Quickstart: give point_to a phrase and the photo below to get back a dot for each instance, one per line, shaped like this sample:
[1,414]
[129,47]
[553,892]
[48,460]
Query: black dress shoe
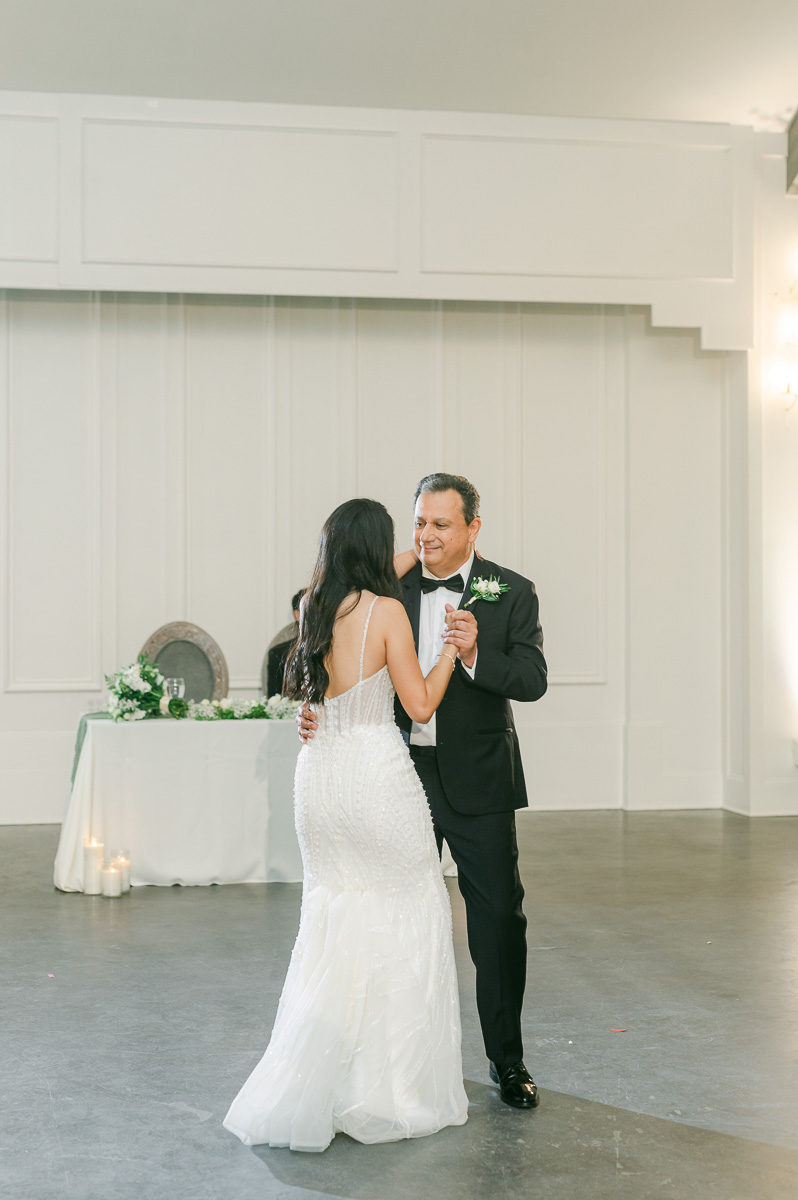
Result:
[516,1085]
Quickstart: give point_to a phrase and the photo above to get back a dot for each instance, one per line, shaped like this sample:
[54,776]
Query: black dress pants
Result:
[486,853]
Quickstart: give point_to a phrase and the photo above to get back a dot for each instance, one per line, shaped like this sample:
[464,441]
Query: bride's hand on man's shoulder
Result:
[404,562]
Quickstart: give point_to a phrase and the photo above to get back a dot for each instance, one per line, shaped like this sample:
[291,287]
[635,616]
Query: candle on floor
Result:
[93,859]
[111,879]
[121,860]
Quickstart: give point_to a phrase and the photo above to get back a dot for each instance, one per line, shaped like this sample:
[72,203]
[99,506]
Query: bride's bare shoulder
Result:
[390,610]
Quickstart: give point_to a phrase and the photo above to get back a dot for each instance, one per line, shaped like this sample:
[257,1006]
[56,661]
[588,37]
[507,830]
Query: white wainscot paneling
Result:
[564,485]
[144,408]
[314,463]
[285,200]
[524,206]
[34,776]
[205,195]
[230,428]
[400,404]
[675,581]
[573,765]
[53,517]
[230,510]
[482,417]
[28,192]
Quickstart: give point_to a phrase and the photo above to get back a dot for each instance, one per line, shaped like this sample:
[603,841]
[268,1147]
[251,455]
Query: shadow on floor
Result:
[572,1147]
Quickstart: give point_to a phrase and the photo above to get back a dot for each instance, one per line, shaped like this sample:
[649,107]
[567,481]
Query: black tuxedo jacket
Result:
[478,754]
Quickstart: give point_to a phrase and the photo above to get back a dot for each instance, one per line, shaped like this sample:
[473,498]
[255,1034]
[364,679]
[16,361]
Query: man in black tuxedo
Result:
[278,650]
[468,757]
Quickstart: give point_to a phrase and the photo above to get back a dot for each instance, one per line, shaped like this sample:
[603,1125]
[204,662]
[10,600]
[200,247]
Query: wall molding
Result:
[598,676]
[93,680]
[672,177]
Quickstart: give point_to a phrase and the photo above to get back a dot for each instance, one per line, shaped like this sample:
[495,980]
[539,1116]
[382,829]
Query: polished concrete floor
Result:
[127,1027]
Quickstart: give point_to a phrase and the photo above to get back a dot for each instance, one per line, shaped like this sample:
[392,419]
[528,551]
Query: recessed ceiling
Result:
[693,60]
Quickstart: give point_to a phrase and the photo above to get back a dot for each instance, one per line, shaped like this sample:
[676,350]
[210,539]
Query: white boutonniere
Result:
[487,589]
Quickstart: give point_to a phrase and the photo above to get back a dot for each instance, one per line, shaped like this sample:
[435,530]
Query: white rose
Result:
[225,703]
[495,588]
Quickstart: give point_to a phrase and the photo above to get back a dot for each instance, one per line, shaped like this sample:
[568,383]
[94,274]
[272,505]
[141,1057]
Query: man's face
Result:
[441,537]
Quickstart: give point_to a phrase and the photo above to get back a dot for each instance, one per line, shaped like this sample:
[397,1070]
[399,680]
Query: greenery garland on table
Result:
[276,708]
[136,692]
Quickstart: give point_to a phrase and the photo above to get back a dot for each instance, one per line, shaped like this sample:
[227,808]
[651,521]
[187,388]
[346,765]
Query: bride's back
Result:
[343,661]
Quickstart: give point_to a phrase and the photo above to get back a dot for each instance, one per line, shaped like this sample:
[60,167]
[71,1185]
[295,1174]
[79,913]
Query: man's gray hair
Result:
[441,482]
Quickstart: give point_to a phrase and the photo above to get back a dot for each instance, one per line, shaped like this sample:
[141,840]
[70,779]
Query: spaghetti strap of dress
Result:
[365,631]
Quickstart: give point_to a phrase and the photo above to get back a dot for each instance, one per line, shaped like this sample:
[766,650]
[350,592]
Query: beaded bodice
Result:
[368,702]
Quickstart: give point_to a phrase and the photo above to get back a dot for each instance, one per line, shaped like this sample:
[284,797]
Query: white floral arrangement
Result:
[276,708]
[136,692]
[487,589]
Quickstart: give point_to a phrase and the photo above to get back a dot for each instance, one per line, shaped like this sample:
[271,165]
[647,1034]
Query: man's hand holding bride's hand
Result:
[306,723]
[461,632]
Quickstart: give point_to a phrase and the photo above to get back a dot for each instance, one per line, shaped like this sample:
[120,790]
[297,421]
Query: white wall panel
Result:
[53,498]
[212,197]
[230,428]
[145,494]
[229,458]
[675,397]
[315,457]
[482,416]
[223,196]
[399,404]
[565,483]
[29,191]
[527,206]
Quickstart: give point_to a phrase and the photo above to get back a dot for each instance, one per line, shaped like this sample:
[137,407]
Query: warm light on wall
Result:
[785,373]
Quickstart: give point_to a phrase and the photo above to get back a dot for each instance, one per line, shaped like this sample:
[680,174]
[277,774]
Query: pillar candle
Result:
[121,860]
[111,879]
[93,859]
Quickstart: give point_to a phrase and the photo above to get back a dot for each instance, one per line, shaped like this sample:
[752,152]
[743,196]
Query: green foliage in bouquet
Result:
[136,692]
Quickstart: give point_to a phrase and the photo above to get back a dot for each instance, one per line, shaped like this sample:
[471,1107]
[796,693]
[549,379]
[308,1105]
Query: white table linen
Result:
[195,802]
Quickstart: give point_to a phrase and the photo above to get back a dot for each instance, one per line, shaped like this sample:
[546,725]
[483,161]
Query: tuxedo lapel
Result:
[411,589]
[477,569]
[481,568]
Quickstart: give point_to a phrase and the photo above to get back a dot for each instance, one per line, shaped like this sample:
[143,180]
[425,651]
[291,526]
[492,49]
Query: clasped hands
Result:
[460,632]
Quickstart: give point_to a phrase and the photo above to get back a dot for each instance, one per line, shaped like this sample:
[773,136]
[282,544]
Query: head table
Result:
[195,802]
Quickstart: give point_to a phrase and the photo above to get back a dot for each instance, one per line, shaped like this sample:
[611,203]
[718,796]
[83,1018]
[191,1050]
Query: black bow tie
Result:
[453,584]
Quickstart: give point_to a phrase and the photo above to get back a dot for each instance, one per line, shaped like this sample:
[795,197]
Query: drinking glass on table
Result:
[174,688]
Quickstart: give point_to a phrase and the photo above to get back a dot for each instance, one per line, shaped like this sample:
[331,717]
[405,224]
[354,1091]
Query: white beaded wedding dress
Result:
[367,1035]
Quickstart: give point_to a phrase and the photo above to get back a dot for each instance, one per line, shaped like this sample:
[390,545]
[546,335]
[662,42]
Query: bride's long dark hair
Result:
[355,554]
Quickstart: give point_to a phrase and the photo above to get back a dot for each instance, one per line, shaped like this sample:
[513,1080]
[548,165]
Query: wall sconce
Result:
[789,396]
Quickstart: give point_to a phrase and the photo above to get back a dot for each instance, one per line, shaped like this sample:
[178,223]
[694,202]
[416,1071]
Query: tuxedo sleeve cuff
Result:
[470,671]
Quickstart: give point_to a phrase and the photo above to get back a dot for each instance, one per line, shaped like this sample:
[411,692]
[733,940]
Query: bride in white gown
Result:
[367,1035]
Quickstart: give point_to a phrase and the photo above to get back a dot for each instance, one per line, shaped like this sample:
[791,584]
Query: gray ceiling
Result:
[705,60]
